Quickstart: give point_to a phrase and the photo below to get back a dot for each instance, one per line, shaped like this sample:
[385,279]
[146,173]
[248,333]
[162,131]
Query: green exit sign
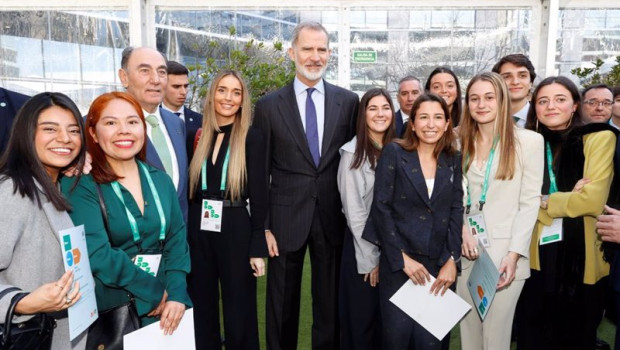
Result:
[365,56]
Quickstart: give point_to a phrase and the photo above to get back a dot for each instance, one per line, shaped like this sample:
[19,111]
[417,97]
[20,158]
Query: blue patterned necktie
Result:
[312,131]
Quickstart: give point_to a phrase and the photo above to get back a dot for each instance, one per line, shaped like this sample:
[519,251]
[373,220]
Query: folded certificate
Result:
[482,282]
[437,314]
[152,337]
[83,313]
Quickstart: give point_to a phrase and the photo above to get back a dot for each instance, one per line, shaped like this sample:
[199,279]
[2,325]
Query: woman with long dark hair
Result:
[562,302]
[47,138]
[443,82]
[228,243]
[416,217]
[359,272]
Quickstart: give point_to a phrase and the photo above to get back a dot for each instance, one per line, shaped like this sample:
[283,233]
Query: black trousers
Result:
[284,292]
[220,259]
[558,321]
[360,321]
[400,331]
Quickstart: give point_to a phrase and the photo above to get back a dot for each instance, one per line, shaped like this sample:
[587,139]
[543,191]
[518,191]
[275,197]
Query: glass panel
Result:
[417,41]
[585,35]
[200,35]
[61,50]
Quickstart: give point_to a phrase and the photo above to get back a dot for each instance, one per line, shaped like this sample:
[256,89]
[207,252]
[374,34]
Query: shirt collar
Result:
[156,113]
[180,110]
[522,113]
[301,87]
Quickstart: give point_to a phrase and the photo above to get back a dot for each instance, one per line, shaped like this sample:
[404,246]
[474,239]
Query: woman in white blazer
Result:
[46,139]
[510,162]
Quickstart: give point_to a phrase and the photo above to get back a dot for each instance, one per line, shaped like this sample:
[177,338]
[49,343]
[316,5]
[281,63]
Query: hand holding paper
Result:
[415,271]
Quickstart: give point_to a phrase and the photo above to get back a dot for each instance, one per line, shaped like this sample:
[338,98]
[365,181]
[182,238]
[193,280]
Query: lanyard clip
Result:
[161,245]
[480,205]
[467,208]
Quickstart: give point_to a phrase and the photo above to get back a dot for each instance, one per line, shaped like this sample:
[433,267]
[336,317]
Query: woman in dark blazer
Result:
[417,217]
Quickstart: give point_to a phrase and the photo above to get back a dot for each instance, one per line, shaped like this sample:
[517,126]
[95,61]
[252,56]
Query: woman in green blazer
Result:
[143,220]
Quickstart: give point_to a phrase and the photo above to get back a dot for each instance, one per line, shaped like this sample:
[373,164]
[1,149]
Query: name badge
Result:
[553,233]
[149,263]
[478,228]
[211,215]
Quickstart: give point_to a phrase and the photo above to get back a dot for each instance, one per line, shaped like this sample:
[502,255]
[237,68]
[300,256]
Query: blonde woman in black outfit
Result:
[227,246]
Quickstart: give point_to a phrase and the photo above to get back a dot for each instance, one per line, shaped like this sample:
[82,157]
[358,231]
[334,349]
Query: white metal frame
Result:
[142,17]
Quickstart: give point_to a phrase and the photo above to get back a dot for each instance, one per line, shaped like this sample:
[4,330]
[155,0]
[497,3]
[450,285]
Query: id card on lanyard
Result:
[475,222]
[553,233]
[147,262]
[212,209]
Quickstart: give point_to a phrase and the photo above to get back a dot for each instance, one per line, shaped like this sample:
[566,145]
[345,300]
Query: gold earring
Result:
[536,124]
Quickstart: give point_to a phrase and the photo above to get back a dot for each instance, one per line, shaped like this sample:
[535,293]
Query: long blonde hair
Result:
[504,128]
[237,171]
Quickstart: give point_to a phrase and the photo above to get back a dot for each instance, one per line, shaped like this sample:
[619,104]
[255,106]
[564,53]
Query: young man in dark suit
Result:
[304,125]
[174,101]
[144,74]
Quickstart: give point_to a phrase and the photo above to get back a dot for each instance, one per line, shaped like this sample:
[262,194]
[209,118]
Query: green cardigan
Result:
[111,252]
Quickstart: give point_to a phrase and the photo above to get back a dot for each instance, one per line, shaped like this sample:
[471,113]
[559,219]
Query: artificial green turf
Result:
[606,330]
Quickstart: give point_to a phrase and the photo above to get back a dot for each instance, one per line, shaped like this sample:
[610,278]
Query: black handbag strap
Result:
[9,316]
[7,291]
[104,213]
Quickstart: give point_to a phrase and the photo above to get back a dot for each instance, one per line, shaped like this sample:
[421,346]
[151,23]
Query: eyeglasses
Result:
[596,103]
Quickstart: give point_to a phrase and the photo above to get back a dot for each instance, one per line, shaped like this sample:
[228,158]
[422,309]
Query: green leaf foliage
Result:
[265,68]
[592,76]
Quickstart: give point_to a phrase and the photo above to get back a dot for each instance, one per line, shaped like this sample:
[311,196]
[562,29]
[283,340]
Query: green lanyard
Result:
[553,187]
[487,175]
[132,221]
[224,172]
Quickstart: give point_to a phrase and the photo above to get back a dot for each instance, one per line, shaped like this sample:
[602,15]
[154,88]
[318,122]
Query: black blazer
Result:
[10,103]
[398,123]
[193,122]
[404,219]
[297,186]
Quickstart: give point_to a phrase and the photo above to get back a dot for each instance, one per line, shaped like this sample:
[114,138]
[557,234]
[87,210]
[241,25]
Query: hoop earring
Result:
[570,120]
[536,124]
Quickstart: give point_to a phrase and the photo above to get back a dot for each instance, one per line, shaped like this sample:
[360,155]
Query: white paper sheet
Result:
[84,312]
[437,314]
[152,337]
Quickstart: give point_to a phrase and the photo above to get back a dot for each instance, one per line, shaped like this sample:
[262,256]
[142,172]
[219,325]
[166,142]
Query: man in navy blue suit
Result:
[409,88]
[10,103]
[144,73]
[174,101]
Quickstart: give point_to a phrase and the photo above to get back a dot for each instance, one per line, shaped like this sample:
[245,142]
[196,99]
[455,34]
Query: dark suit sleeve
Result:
[257,190]
[176,249]
[455,237]
[382,207]
[262,123]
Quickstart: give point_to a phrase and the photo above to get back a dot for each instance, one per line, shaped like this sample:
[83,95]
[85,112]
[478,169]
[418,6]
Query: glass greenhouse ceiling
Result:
[75,47]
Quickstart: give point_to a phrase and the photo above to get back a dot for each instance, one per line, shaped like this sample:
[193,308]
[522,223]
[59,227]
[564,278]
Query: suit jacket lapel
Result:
[175,134]
[290,113]
[412,167]
[443,175]
[332,113]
